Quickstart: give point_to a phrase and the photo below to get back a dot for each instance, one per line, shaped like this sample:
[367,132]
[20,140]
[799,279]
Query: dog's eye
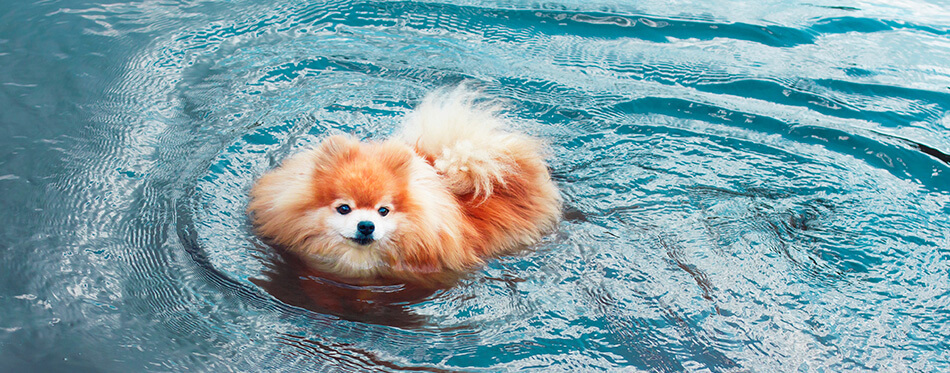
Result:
[343,209]
[383,211]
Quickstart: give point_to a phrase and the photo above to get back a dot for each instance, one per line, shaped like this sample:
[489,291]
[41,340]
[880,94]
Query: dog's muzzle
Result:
[364,232]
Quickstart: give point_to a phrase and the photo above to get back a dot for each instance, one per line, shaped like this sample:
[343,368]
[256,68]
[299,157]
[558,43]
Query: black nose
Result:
[365,227]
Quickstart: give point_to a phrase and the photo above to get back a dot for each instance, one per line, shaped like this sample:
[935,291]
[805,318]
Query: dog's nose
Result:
[365,227]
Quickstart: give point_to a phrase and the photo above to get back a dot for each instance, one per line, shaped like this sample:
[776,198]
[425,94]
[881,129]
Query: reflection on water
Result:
[759,187]
[290,281]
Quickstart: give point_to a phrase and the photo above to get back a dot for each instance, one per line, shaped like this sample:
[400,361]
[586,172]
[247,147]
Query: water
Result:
[748,186]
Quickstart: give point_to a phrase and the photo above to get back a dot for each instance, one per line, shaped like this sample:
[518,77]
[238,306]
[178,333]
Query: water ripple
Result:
[743,190]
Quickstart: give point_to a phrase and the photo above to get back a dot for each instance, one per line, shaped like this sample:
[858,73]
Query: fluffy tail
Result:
[462,135]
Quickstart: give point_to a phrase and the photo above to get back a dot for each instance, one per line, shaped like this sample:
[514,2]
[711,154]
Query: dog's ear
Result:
[396,155]
[335,148]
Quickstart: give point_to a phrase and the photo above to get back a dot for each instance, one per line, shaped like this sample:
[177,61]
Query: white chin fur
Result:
[360,262]
[349,258]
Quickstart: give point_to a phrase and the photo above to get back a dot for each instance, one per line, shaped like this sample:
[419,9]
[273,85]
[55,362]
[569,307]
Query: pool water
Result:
[748,186]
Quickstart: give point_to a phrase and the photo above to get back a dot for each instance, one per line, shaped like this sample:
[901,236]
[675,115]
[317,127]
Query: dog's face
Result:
[362,225]
[355,238]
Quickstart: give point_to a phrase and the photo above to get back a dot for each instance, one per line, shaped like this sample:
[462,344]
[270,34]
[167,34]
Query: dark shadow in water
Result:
[291,281]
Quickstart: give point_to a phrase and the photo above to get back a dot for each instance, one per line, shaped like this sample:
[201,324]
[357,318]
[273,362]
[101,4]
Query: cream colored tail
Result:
[463,135]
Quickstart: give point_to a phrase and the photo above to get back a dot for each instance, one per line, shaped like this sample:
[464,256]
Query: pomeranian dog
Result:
[453,189]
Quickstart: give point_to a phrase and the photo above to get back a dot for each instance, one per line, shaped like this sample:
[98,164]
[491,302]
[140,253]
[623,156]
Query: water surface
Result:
[747,186]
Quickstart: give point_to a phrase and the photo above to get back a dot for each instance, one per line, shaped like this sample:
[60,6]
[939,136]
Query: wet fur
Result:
[459,187]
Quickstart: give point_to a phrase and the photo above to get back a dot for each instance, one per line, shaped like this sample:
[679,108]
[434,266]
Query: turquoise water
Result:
[761,187]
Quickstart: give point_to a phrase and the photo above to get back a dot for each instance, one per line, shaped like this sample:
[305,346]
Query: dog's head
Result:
[359,201]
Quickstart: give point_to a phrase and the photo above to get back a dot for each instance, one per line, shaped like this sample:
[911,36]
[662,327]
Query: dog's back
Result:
[500,178]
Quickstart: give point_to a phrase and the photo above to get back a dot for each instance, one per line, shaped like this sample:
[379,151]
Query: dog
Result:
[453,189]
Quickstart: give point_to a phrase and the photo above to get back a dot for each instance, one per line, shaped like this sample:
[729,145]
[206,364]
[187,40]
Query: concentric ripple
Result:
[764,189]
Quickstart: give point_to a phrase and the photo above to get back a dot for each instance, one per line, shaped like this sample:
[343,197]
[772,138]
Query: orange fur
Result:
[457,190]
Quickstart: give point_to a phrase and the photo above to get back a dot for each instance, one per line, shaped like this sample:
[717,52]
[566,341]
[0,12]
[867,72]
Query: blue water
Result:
[748,186]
